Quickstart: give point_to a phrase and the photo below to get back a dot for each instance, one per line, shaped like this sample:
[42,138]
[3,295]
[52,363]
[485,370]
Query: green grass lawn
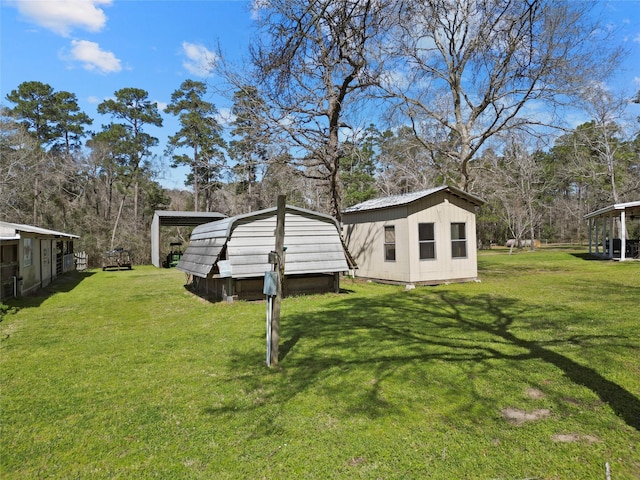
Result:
[532,373]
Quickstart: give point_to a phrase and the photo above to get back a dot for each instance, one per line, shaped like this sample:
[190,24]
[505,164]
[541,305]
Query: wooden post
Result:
[623,235]
[275,318]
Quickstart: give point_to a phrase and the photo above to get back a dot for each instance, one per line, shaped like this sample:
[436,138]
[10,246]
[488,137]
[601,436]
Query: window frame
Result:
[431,241]
[456,241]
[389,246]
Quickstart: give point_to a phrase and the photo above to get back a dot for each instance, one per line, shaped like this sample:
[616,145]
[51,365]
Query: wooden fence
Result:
[82,260]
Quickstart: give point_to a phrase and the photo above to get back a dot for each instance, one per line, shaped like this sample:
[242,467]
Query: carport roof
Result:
[630,207]
[170,218]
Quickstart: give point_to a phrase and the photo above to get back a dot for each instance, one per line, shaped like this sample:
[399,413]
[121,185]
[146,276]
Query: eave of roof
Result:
[18,227]
[407,198]
[171,218]
[613,208]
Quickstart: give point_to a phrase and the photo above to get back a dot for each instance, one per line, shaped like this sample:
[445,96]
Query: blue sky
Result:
[94,47]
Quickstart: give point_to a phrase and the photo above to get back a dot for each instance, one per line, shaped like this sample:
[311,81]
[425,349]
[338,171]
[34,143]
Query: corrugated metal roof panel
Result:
[312,239]
[612,208]
[391,201]
[200,256]
[169,218]
[396,200]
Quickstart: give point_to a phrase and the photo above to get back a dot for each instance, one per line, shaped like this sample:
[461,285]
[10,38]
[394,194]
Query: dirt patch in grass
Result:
[518,417]
[355,461]
[534,393]
[574,437]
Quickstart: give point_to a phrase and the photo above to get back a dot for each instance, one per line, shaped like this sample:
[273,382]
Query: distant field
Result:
[532,373]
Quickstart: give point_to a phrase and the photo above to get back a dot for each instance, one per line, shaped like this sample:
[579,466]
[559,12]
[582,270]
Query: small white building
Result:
[426,237]
[32,257]
[229,257]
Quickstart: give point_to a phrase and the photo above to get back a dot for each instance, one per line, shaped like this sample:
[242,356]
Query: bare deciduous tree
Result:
[19,159]
[604,135]
[313,65]
[513,183]
[467,70]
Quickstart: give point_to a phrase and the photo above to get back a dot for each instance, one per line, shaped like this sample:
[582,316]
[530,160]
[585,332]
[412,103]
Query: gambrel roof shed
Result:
[239,246]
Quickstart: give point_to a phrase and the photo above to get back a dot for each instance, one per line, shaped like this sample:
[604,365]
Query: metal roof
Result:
[11,231]
[407,198]
[313,247]
[633,206]
[170,218]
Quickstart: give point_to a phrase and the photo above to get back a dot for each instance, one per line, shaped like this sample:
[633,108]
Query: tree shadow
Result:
[286,347]
[623,403]
[383,335]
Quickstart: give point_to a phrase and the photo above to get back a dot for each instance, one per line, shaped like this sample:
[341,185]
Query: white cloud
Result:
[93,58]
[161,105]
[257,6]
[224,116]
[636,80]
[93,99]
[61,16]
[637,38]
[200,61]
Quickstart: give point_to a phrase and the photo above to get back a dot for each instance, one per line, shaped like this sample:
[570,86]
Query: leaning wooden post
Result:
[275,319]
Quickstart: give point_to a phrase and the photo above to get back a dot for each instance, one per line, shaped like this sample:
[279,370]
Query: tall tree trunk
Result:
[532,235]
[115,224]
[35,202]
[196,186]
[136,193]
[109,198]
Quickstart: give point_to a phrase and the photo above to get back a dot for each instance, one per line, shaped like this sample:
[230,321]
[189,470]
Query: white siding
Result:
[364,236]
[205,246]
[443,267]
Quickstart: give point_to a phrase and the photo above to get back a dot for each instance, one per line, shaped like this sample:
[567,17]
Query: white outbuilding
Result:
[32,257]
[425,237]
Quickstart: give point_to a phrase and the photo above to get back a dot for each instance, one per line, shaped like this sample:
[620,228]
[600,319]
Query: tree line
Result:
[342,101]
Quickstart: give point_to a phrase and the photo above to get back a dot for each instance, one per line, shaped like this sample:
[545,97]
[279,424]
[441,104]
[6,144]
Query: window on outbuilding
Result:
[458,240]
[390,243]
[427,241]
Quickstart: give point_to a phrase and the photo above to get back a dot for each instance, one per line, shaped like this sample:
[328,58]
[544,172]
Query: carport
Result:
[614,231]
[166,218]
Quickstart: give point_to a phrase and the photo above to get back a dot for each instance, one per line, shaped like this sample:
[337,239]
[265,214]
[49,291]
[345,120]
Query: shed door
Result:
[45,261]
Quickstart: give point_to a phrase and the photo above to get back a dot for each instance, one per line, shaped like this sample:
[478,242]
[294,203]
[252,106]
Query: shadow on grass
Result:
[589,256]
[382,335]
[64,283]
[626,405]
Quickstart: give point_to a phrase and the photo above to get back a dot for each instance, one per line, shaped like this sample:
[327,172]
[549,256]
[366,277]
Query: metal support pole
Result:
[269,311]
